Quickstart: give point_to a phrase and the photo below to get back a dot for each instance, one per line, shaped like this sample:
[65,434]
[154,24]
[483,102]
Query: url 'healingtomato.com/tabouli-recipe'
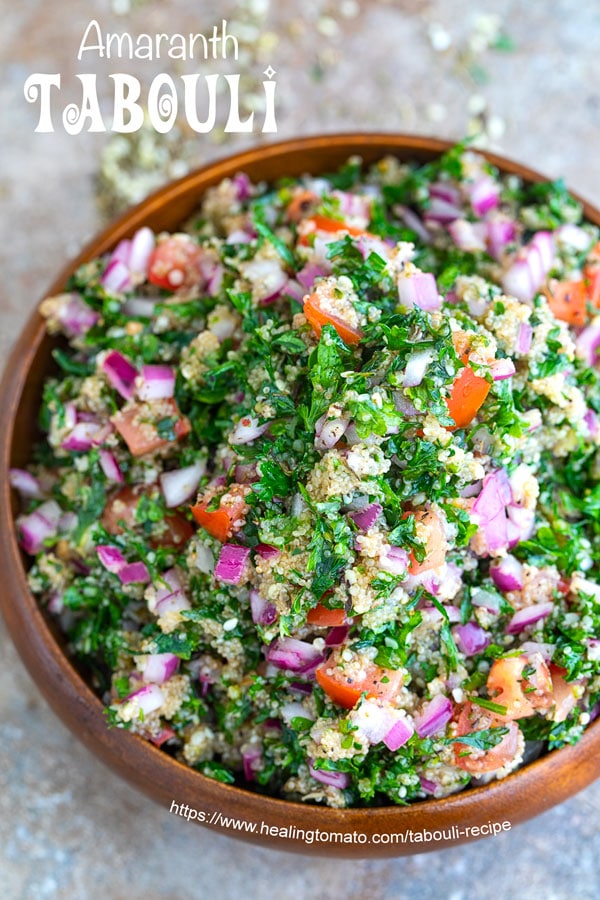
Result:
[318,504]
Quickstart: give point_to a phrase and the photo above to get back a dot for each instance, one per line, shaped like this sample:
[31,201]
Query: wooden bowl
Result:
[384,831]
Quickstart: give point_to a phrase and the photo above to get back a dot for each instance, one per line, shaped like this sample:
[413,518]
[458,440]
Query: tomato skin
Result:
[346,691]
[121,507]
[175,263]
[328,226]
[472,719]
[467,395]
[318,318]
[436,546]
[221,522]
[563,694]
[326,618]
[568,301]
[520,695]
[141,436]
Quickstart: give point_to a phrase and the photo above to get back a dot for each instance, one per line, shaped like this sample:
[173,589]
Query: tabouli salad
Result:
[318,505]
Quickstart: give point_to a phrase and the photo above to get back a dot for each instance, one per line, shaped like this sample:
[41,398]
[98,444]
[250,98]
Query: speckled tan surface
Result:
[68,827]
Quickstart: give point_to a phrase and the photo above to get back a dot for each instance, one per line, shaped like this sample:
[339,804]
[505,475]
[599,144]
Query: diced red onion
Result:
[38,526]
[329,431]
[294,290]
[502,368]
[523,521]
[524,338]
[251,759]
[164,735]
[25,483]
[215,281]
[339,780]
[267,551]
[428,786]
[441,211]
[470,638]
[142,245]
[471,490]
[354,205]
[403,405]
[242,185]
[530,267]
[485,195]
[75,316]
[412,221]
[588,344]
[156,383]
[545,650]
[468,236]
[246,473]
[263,612]
[116,277]
[231,563]
[395,561]
[592,423]
[82,437]
[418,289]
[110,466]
[247,430]
[158,667]
[178,485]
[139,307]
[500,233]
[528,616]
[293,655]
[366,517]
[416,366]
[507,573]
[398,734]
[445,191]
[434,716]
[134,573]
[67,522]
[485,600]
[238,237]
[267,278]
[300,687]
[337,635]
[148,699]
[172,603]
[121,373]
[307,275]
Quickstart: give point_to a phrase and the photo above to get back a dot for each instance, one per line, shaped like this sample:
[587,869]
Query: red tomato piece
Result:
[137,425]
[300,205]
[176,263]
[345,687]
[473,719]
[522,684]
[568,301]
[467,395]
[328,226]
[436,546]
[326,618]
[563,694]
[318,318]
[228,517]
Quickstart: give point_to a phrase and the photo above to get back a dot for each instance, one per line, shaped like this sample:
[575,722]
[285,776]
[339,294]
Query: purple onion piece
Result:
[434,716]
[231,562]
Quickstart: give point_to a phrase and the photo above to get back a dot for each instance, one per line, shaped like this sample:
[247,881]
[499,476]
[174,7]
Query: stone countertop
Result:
[524,77]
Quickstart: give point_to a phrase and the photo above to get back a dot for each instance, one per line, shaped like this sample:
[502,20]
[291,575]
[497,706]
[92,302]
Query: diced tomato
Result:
[436,546]
[591,274]
[473,719]
[137,425]
[336,678]
[522,684]
[563,694]
[300,205]
[328,226]
[176,263]
[228,517]
[467,395]
[121,506]
[318,318]
[568,301]
[326,618]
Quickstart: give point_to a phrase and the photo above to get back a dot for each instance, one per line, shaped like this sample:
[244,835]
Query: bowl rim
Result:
[526,792]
